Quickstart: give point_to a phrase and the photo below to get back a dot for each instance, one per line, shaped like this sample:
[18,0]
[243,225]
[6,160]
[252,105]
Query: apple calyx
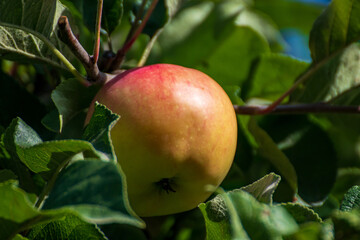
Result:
[165,184]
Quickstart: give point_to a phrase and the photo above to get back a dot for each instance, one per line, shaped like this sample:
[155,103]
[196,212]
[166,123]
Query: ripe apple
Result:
[177,133]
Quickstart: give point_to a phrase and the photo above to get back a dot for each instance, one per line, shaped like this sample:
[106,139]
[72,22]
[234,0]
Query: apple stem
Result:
[119,58]
[165,184]
[297,109]
[67,36]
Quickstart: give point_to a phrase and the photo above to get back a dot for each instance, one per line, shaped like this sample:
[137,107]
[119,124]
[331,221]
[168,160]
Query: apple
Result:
[177,134]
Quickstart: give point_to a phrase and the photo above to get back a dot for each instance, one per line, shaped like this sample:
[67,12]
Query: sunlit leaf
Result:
[264,188]
[273,75]
[337,27]
[27,30]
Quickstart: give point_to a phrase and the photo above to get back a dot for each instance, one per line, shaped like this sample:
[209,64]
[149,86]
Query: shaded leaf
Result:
[346,178]
[94,189]
[310,151]
[87,10]
[27,30]
[70,98]
[301,213]
[269,150]
[15,101]
[314,230]
[97,131]
[6,175]
[351,199]
[264,188]
[337,27]
[71,227]
[42,157]
[246,142]
[158,18]
[24,216]
[346,225]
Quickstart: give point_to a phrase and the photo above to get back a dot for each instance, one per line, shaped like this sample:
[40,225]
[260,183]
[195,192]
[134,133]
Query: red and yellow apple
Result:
[177,134]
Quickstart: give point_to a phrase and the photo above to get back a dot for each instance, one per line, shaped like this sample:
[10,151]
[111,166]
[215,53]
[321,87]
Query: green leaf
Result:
[96,190]
[260,221]
[313,230]
[15,101]
[263,25]
[112,14]
[6,175]
[229,49]
[87,11]
[301,213]
[71,98]
[273,75]
[42,157]
[97,131]
[310,151]
[19,237]
[246,142]
[217,221]
[71,227]
[336,77]
[22,217]
[337,27]
[351,199]
[27,30]
[290,14]
[229,62]
[158,18]
[264,188]
[269,150]
[346,178]
[346,224]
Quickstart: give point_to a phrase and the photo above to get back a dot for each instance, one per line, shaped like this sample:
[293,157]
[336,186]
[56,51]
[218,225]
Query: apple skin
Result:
[177,133]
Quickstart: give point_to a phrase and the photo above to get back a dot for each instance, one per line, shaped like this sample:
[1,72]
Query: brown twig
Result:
[67,36]
[297,109]
[119,58]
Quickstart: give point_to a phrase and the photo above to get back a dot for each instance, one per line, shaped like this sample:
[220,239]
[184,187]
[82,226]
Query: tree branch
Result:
[67,36]
[297,109]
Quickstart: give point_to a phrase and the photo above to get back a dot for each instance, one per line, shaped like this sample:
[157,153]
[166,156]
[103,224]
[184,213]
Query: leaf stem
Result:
[297,109]
[95,56]
[119,58]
